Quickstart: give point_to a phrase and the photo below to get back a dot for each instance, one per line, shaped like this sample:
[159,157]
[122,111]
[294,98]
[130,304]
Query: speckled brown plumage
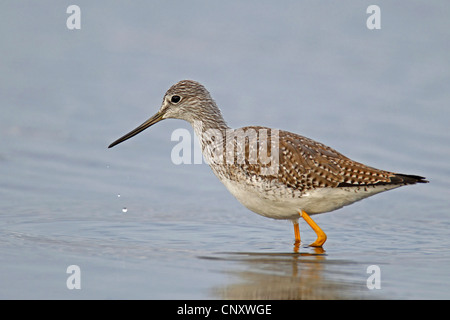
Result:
[305,164]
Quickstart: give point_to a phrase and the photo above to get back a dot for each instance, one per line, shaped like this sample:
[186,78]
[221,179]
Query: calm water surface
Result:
[380,97]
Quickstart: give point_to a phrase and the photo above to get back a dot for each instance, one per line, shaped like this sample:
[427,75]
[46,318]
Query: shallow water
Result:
[380,97]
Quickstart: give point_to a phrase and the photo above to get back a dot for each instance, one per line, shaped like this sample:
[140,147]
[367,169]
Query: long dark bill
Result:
[156,118]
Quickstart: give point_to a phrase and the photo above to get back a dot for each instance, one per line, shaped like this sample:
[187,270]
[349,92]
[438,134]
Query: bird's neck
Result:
[201,126]
[211,121]
[205,129]
[211,133]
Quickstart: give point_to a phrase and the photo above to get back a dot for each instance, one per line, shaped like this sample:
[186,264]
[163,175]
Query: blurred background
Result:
[139,226]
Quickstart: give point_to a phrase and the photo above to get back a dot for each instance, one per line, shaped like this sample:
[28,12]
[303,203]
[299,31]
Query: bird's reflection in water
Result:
[298,275]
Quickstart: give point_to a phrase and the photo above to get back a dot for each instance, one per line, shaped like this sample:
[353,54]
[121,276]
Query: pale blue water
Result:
[380,97]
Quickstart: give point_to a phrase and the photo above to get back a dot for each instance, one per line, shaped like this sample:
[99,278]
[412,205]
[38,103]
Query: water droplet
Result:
[124,209]
[118,196]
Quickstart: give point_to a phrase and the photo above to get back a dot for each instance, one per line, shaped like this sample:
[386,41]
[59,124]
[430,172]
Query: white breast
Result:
[278,202]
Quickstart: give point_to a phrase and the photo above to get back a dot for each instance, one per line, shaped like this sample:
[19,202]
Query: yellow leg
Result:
[321,236]
[297,236]
[296,232]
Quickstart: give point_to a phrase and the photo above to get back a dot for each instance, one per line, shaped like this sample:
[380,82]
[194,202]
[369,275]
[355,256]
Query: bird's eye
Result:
[175,99]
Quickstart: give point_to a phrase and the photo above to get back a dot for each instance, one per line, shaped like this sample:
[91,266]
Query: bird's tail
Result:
[410,179]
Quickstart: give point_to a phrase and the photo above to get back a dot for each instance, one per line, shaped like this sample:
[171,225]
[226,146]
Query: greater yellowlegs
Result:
[275,173]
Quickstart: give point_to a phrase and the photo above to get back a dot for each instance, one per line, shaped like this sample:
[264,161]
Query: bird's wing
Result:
[305,162]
